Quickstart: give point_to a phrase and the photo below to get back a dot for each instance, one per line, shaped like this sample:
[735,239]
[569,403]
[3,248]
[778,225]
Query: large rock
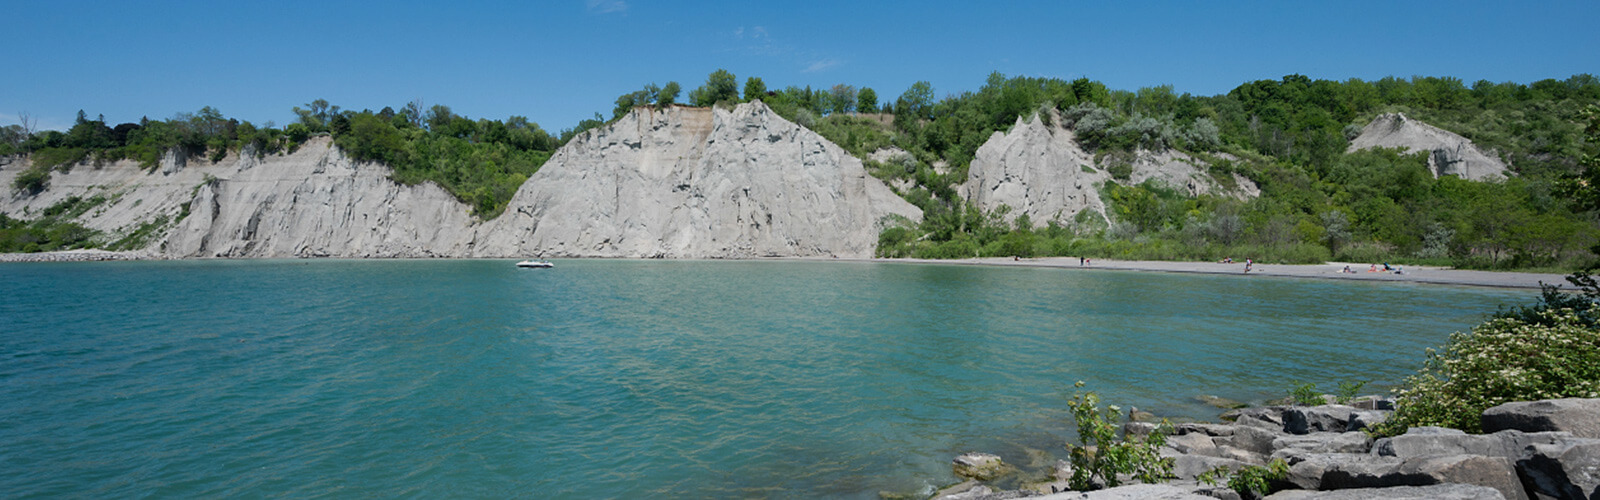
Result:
[1253,439]
[1325,442]
[1568,470]
[1324,418]
[1434,492]
[1131,492]
[1448,153]
[1581,417]
[1343,471]
[1329,471]
[979,466]
[697,183]
[1434,441]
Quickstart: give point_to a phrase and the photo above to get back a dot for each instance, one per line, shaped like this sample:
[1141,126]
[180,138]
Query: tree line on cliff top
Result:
[1288,136]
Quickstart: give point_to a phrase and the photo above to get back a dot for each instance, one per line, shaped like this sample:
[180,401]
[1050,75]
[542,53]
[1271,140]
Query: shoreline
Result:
[1331,270]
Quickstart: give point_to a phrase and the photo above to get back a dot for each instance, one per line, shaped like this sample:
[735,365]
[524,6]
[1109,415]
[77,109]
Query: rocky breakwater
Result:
[686,182]
[1535,450]
[1448,153]
[1040,170]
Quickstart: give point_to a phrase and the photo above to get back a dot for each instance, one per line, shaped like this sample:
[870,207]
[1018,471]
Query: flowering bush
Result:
[1500,361]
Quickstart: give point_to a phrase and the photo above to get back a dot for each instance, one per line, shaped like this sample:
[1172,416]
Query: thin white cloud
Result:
[822,65]
[607,6]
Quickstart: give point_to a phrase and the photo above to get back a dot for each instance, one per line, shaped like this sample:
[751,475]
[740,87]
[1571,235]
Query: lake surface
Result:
[636,378]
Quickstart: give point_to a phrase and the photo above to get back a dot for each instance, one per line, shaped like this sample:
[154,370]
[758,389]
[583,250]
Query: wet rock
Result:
[979,466]
[1219,402]
[1581,417]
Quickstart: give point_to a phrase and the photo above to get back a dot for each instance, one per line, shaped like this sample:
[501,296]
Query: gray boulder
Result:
[1212,430]
[1493,472]
[1253,439]
[1332,471]
[1193,443]
[1267,417]
[980,466]
[1581,417]
[1568,470]
[1324,418]
[1362,419]
[1131,492]
[1434,441]
[1345,471]
[1325,442]
[1188,467]
[1433,492]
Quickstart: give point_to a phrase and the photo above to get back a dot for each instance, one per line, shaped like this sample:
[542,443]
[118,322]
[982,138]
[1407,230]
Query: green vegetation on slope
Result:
[1289,136]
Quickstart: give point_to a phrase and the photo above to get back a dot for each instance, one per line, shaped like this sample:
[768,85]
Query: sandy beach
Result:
[1331,270]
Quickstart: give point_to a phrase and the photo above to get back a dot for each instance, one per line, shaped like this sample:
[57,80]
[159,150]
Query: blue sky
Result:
[559,62]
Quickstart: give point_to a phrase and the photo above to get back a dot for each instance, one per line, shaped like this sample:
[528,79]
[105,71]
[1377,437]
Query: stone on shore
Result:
[1434,492]
[979,466]
[1324,418]
[1566,470]
[1581,417]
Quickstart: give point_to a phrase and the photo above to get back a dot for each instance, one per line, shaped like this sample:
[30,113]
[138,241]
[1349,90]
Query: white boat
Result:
[538,264]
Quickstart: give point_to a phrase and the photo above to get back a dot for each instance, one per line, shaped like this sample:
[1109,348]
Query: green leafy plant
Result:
[1102,457]
[1249,481]
[1348,390]
[1500,361]
[1305,394]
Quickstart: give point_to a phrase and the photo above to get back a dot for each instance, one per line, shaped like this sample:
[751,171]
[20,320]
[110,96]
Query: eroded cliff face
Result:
[1036,169]
[315,202]
[1448,153]
[678,183]
[696,183]
[1041,170]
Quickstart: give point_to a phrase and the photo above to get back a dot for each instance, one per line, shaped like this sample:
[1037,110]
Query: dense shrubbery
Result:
[481,162]
[1555,353]
[52,230]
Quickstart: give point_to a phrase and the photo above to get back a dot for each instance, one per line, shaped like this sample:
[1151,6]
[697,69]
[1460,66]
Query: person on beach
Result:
[1347,270]
[1080,261]
[1249,263]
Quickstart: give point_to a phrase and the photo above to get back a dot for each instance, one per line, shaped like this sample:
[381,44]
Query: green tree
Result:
[754,89]
[842,99]
[668,94]
[867,100]
[720,86]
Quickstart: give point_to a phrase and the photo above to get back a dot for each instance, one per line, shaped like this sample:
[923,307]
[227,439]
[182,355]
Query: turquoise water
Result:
[625,378]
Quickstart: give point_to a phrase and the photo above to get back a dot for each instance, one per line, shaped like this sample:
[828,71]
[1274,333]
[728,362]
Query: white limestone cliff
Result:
[1448,153]
[1041,170]
[697,183]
